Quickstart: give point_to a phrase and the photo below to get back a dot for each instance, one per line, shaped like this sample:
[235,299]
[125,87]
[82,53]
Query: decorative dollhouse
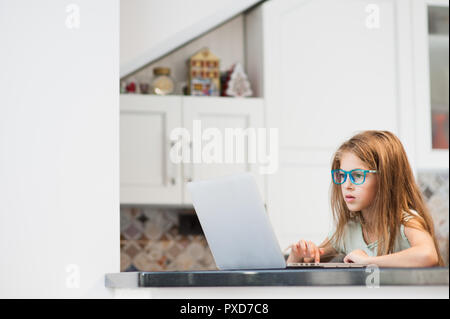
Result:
[204,74]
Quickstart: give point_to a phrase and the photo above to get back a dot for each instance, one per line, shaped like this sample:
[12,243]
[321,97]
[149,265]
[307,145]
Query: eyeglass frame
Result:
[349,173]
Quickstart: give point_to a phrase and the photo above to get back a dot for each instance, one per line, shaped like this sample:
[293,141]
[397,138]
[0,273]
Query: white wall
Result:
[172,23]
[59,185]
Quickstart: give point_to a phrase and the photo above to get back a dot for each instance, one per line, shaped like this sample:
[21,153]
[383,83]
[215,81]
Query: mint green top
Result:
[353,239]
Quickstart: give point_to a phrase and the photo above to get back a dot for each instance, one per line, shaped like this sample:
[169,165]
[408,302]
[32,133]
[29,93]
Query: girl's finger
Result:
[297,248]
[321,250]
[303,247]
[311,249]
[317,255]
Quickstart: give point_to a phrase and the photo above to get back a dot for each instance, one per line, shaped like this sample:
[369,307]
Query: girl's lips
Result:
[349,198]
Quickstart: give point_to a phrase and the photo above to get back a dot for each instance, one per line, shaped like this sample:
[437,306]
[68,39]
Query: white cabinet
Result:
[148,174]
[327,72]
[222,114]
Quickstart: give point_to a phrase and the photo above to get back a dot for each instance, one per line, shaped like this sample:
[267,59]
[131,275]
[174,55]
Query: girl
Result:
[379,214]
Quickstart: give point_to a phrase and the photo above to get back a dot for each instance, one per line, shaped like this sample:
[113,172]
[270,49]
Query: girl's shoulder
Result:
[412,219]
[411,213]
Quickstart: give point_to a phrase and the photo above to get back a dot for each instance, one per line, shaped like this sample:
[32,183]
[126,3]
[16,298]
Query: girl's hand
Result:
[357,256]
[305,251]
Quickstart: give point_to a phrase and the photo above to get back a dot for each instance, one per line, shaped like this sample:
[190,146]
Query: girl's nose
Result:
[348,183]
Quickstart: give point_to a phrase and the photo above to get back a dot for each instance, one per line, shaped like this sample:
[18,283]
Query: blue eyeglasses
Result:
[357,176]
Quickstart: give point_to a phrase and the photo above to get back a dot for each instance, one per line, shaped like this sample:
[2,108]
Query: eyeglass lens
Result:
[357,176]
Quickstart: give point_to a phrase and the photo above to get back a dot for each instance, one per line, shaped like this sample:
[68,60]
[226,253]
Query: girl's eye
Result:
[358,176]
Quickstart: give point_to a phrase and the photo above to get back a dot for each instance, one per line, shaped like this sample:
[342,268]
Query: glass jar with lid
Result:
[162,84]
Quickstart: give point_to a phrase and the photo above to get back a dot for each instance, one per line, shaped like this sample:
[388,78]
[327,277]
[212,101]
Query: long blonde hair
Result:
[397,190]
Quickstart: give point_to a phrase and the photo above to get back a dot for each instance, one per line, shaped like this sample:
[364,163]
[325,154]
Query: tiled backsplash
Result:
[150,238]
[434,187]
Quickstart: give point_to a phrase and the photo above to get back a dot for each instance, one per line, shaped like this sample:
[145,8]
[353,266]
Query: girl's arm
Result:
[421,254]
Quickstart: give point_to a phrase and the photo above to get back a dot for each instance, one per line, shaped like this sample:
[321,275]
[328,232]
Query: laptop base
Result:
[325,265]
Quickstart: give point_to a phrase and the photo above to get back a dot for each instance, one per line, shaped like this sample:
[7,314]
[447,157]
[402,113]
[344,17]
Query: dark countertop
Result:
[281,277]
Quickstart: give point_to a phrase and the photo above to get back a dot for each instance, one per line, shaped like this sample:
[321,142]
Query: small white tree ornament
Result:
[238,84]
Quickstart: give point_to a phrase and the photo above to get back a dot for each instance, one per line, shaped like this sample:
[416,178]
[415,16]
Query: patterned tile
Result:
[427,192]
[143,241]
[173,233]
[134,212]
[131,268]
[142,218]
[144,262]
[125,219]
[131,249]
[174,250]
[196,250]
[150,241]
[132,232]
[153,231]
[125,261]
[434,186]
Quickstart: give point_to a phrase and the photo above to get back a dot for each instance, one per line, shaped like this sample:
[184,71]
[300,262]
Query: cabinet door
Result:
[147,176]
[329,70]
[219,114]
[431,67]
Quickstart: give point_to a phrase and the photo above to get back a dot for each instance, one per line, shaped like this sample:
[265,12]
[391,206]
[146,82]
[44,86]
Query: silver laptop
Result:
[237,227]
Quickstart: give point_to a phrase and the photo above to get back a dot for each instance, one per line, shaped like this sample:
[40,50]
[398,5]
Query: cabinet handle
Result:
[171,171]
[188,171]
